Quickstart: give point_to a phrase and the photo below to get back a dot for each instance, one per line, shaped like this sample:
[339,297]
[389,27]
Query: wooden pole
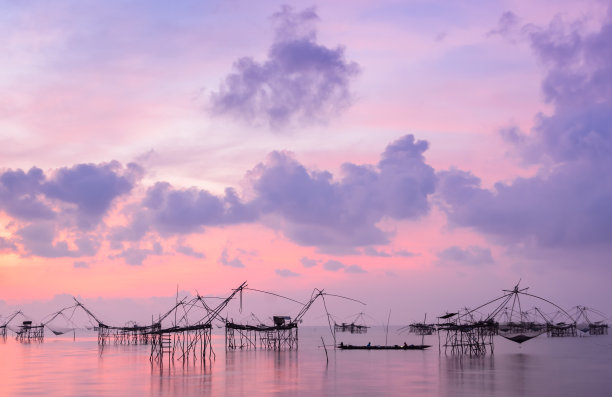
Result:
[325,347]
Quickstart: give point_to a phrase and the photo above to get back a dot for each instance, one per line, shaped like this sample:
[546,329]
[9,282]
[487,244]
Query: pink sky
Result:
[416,155]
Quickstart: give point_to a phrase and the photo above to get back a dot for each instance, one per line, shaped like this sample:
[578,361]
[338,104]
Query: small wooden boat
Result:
[373,347]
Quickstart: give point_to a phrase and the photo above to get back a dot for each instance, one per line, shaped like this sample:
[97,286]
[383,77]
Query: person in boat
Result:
[405,346]
[369,344]
[341,345]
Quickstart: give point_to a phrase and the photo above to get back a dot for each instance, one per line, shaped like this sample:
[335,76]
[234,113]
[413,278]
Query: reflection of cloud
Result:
[300,81]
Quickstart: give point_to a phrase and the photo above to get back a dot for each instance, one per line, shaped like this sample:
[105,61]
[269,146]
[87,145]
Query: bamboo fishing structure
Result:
[282,334]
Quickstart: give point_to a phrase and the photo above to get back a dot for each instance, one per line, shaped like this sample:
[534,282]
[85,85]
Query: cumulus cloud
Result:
[300,81]
[135,255]
[20,195]
[405,253]
[470,256]
[307,262]
[189,251]
[317,210]
[333,265]
[225,260]
[566,205]
[286,273]
[40,239]
[7,245]
[356,269]
[507,25]
[371,251]
[80,265]
[91,188]
[184,211]
[88,188]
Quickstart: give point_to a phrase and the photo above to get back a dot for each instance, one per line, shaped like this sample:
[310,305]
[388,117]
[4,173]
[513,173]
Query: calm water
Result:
[541,367]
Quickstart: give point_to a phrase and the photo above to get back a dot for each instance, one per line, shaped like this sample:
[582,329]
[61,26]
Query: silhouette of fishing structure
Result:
[555,328]
[183,339]
[463,333]
[281,335]
[357,326]
[5,325]
[27,331]
[586,323]
[130,334]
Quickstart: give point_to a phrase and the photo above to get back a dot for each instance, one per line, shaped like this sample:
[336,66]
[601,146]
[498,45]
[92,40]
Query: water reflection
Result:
[182,378]
[501,375]
[465,375]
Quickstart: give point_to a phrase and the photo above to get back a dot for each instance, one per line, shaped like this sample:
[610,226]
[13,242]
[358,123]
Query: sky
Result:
[419,156]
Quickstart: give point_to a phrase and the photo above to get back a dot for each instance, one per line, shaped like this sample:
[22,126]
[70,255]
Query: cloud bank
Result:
[566,205]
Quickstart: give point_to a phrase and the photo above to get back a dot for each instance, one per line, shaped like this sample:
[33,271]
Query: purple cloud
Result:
[507,24]
[566,205]
[80,265]
[40,239]
[225,260]
[355,269]
[7,245]
[470,256]
[307,262]
[183,211]
[404,253]
[189,251]
[20,195]
[286,273]
[135,256]
[371,251]
[92,188]
[320,211]
[301,81]
[333,265]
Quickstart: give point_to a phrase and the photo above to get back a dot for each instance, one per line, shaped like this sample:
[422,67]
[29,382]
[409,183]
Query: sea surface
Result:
[76,366]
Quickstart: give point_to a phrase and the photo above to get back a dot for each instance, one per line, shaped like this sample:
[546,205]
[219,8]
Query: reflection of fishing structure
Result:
[357,326]
[281,335]
[587,324]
